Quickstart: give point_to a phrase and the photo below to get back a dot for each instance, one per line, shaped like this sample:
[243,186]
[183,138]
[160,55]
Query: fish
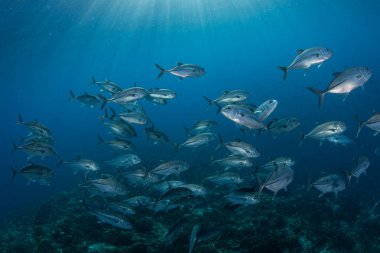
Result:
[112,218]
[34,173]
[31,138]
[107,85]
[279,161]
[361,166]
[41,149]
[140,201]
[277,180]
[35,127]
[193,237]
[176,228]
[234,161]
[263,111]
[85,99]
[331,183]
[156,101]
[343,83]
[109,186]
[244,199]
[201,126]
[133,107]
[284,125]
[125,96]
[340,139]
[134,118]
[242,116]
[123,161]
[121,207]
[184,190]
[376,151]
[198,140]
[166,185]
[182,70]
[118,144]
[225,179]
[325,130]
[373,123]
[156,135]
[80,164]
[121,128]
[241,149]
[306,58]
[174,167]
[229,97]
[162,93]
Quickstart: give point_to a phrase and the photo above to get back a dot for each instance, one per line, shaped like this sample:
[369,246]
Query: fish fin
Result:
[320,195]
[14,148]
[285,70]
[360,126]
[113,113]
[100,139]
[376,133]
[320,95]
[186,130]
[162,70]
[302,136]
[336,73]
[179,63]
[14,173]
[19,119]
[104,101]
[345,96]
[274,195]
[319,65]
[72,96]
[60,162]
[299,51]
[209,101]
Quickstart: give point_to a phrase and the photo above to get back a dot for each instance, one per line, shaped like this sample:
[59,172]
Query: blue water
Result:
[50,47]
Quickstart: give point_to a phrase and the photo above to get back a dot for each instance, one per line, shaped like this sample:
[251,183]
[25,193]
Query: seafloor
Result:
[293,222]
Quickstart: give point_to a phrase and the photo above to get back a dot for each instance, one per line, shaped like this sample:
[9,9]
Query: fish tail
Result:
[161,69]
[14,148]
[348,177]
[186,130]
[113,113]
[220,140]
[104,101]
[302,136]
[72,95]
[209,101]
[19,119]
[60,162]
[285,70]
[360,126]
[100,140]
[93,80]
[219,108]
[319,93]
[14,173]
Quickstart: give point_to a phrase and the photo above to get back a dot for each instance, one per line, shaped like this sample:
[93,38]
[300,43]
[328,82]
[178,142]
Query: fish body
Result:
[306,58]
[124,161]
[118,144]
[80,164]
[109,186]
[121,128]
[198,140]
[35,127]
[171,168]
[278,179]
[340,139]
[242,116]
[107,85]
[126,96]
[331,183]
[182,70]
[242,149]
[325,130]
[121,207]
[263,111]
[279,126]
[201,126]
[110,217]
[234,161]
[135,118]
[156,135]
[226,179]
[279,161]
[244,199]
[230,97]
[35,173]
[37,148]
[86,99]
[372,123]
[162,93]
[344,82]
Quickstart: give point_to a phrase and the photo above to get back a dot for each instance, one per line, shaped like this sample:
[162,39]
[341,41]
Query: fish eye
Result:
[318,55]
[358,76]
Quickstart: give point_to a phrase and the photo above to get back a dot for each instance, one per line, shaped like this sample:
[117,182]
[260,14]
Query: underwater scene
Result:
[190,126]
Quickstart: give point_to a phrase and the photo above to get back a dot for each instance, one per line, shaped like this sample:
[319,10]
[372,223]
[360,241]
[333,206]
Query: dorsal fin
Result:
[226,92]
[336,73]
[179,63]
[299,51]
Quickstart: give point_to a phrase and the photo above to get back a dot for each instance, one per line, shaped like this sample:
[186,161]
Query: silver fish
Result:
[279,126]
[156,135]
[344,82]
[193,237]
[110,217]
[265,109]
[340,139]
[198,140]
[124,161]
[361,166]
[171,168]
[325,130]
[121,207]
[166,185]
[80,164]
[108,186]
[227,179]
[201,126]
[121,128]
[143,201]
[182,70]
[126,96]
[229,97]
[35,127]
[35,173]
[331,183]
[119,144]
[244,199]
[242,149]
[37,148]
[279,161]
[234,161]
[242,116]
[107,85]
[279,179]
[85,99]
[307,58]
[372,123]
[134,118]
[162,93]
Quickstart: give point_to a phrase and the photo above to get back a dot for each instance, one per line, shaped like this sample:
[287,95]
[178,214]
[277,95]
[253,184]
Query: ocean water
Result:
[48,48]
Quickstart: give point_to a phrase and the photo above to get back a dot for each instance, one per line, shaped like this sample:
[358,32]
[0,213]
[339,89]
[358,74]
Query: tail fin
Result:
[93,80]
[209,101]
[348,177]
[285,70]
[162,70]
[186,130]
[104,101]
[101,141]
[320,95]
[302,138]
[19,119]
[14,173]
[361,124]
[60,162]
[72,96]
[14,148]
[220,140]
[113,114]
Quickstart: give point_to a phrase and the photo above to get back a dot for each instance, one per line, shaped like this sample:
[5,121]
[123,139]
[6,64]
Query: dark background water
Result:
[50,47]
